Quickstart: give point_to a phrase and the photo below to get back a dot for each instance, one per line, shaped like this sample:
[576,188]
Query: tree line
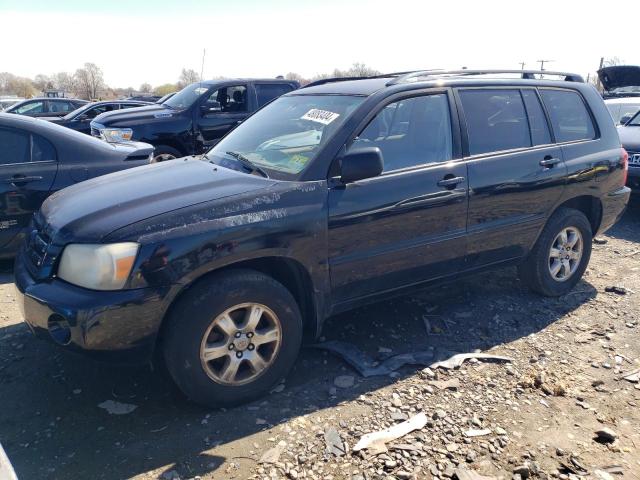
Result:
[88,82]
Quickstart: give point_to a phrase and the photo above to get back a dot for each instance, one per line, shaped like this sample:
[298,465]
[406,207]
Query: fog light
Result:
[59,329]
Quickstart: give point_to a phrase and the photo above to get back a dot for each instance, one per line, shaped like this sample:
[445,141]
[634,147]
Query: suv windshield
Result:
[287,134]
[186,97]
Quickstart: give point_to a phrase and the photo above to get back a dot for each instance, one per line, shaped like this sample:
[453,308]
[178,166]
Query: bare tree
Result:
[6,79]
[43,82]
[187,77]
[64,81]
[146,88]
[90,81]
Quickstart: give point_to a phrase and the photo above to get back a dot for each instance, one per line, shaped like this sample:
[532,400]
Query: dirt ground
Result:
[535,417]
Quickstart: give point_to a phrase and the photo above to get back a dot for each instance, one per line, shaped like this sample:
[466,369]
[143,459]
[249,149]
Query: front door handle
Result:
[450,182]
[21,179]
[549,161]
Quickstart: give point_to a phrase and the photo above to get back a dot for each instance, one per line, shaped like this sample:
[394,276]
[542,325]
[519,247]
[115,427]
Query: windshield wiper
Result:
[246,163]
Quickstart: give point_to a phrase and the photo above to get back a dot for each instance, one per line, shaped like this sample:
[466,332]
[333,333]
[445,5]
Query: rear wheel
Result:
[162,153]
[230,339]
[561,254]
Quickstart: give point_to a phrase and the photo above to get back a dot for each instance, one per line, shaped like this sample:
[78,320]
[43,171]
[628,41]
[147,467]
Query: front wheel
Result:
[561,254]
[232,337]
[163,153]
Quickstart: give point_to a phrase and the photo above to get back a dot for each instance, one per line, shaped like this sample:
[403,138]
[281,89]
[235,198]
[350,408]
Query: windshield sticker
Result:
[321,116]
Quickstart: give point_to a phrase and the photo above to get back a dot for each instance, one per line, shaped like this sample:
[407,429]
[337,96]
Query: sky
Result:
[152,40]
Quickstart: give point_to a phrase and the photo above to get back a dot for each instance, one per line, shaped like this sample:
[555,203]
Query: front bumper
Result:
[119,326]
[613,206]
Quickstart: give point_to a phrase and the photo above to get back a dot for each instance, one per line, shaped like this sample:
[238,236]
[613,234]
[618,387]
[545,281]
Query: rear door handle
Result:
[450,182]
[549,161]
[17,180]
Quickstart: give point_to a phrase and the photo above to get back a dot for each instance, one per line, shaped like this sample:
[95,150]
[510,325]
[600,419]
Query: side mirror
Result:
[361,163]
[625,119]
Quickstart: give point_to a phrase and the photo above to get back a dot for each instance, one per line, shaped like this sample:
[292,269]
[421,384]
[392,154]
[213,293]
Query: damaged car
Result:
[621,91]
[336,195]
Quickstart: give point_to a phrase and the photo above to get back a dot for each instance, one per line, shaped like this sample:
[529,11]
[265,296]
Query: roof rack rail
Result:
[526,74]
[322,81]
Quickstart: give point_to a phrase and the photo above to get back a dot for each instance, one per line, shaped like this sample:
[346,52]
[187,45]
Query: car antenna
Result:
[204,52]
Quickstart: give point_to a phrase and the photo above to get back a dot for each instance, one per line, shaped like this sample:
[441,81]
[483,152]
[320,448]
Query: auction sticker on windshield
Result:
[321,116]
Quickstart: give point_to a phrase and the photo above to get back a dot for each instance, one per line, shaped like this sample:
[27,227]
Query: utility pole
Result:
[599,85]
[522,64]
[542,62]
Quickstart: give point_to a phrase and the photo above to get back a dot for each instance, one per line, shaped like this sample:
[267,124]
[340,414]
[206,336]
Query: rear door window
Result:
[569,116]
[15,147]
[268,91]
[540,134]
[42,150]
[496,120]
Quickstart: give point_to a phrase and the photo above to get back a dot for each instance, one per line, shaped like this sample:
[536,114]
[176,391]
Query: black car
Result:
[38,158]
[630,138]
[80,118]
[332,196]
[192,120]
[46,107]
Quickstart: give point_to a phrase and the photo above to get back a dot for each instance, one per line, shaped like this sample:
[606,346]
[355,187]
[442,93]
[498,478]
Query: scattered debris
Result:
[477,433]
[452,384]
[333,442]
[376,442]
[457,360]
[606,435]
[616,289]
[632,376]
[366,366]
[273,454]
[464,474]
[117,408]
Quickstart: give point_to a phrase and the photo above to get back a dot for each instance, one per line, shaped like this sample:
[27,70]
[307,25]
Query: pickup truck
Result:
[194,119]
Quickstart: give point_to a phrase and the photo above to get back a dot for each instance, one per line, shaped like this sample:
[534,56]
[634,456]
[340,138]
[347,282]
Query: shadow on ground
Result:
[51,426]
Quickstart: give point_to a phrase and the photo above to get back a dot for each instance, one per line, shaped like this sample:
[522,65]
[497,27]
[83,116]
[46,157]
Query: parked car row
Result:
[194,119]
[80,119]
[7,102]
[331,196]
[46,107]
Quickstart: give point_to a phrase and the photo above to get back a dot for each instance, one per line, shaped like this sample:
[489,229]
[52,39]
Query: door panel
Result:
[227,107]
[510,196]
[396,230]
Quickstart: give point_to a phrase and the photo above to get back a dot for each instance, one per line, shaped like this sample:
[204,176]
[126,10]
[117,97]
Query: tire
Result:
[536,270]
[201,312]
[162,153]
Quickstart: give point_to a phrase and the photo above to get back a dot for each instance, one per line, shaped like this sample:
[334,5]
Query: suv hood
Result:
[90,210]
[134,114]
[619,76]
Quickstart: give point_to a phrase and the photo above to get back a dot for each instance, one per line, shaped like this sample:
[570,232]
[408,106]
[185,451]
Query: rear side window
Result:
[31,108]
[42,150]
[268,91]
[15,147]
[540,134]
[569,116]
[496,120]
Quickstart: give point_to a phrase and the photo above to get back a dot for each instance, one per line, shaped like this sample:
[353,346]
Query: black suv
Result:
[332,196]
[192,120]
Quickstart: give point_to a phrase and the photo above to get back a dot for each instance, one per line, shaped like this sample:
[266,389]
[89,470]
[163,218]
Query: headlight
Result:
[98,267]
[117,135]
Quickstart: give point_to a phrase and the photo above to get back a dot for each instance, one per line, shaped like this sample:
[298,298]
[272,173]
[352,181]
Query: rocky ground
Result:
[561,408]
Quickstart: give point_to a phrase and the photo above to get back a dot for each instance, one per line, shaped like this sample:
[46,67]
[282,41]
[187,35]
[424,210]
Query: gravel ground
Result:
[560,409]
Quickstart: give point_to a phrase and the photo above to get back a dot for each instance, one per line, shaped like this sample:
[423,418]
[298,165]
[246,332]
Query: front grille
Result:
[634,159]
[39,254]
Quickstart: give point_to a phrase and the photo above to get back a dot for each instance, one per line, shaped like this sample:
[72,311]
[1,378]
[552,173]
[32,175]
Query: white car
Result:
[622,109]
[7,102]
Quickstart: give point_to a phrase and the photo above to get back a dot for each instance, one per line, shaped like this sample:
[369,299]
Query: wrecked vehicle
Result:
[342,193]
[621,85]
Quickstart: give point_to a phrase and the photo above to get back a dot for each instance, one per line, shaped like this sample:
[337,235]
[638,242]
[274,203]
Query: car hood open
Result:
[90,210]
[619,76]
